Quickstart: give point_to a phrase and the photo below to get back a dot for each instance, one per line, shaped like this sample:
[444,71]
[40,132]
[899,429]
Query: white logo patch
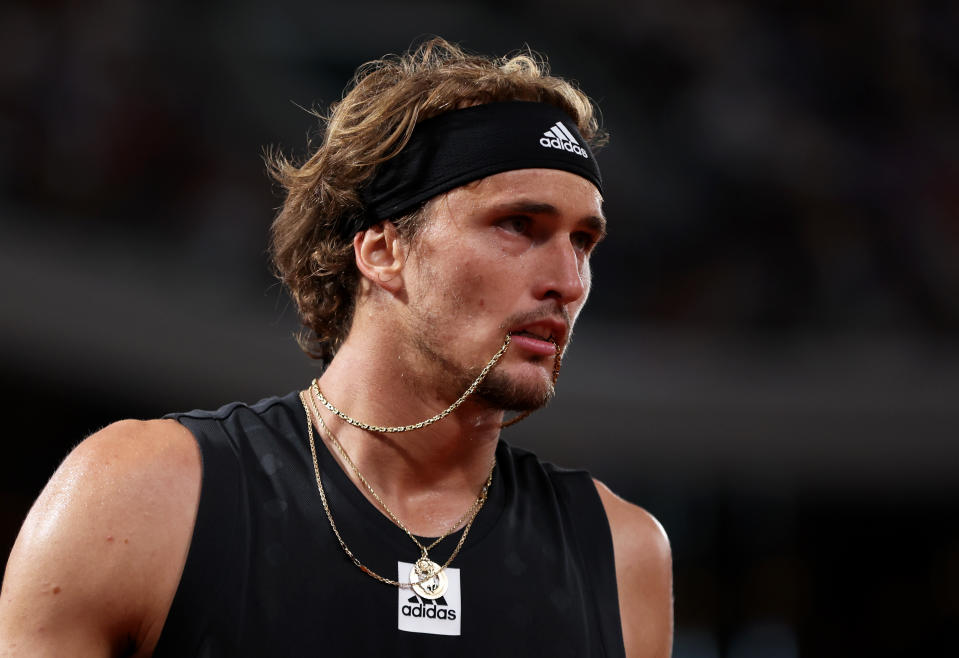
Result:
[437,617]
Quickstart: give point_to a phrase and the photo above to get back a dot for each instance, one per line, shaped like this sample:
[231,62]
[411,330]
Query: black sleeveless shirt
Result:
[265,575]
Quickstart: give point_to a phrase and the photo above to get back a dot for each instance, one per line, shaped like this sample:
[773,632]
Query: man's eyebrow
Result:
[528,207]
[593,222]
[597,225]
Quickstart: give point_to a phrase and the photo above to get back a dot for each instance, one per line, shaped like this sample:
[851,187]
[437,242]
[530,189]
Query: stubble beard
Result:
[499,390]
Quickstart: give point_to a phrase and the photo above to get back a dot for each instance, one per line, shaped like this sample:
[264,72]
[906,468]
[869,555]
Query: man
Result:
[437,245]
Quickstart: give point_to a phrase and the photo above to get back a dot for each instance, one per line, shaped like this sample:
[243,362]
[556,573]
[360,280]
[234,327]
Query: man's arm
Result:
[98,560]
[644,577]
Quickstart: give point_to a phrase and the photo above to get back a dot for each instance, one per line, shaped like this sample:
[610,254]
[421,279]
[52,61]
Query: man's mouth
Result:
[547,336]
[543,337]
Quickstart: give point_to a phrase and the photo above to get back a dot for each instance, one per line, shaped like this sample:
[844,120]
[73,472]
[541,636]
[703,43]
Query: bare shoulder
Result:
[637,530]
[643,576]
[100,554]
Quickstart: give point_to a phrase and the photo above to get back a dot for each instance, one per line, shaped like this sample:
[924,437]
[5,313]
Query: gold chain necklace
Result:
[423,423]
[557,364]
[458,523]
[427,578]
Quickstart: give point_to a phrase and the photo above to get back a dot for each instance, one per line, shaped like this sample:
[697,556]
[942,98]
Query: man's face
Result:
[507,254]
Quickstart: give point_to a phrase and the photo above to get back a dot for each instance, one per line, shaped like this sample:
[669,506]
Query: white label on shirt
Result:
[437,617]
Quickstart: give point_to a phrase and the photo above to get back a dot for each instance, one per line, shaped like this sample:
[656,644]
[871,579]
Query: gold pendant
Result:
[434,580]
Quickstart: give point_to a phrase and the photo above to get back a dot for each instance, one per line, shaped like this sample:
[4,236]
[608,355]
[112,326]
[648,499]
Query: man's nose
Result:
[563,273]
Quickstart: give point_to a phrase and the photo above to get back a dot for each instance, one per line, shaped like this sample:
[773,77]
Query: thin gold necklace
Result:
[557,364]
[457,524]
[427,578]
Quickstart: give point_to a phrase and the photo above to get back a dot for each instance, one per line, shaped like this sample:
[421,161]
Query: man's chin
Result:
[515,394]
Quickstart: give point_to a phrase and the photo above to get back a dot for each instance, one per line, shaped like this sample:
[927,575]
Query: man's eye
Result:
[515,224]
[582,241]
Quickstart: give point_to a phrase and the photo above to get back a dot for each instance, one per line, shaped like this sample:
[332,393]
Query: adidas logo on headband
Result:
[559,137]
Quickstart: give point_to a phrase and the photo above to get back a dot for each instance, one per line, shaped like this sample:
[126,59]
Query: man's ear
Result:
[380,255]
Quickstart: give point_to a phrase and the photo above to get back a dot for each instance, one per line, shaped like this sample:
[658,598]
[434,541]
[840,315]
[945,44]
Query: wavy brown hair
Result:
[372,123]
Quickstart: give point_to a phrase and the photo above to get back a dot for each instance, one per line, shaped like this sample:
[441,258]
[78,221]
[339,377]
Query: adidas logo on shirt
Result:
[438,609]
[559,137]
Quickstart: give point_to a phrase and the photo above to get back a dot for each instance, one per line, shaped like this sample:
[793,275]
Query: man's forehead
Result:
[540,191]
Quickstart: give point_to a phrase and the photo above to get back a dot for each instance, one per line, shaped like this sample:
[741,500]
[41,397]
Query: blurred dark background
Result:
[768,363]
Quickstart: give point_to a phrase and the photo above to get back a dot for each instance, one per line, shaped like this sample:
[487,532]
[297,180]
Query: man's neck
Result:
[429,476]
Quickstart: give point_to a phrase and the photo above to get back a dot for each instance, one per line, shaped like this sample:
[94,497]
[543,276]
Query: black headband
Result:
[461,146]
